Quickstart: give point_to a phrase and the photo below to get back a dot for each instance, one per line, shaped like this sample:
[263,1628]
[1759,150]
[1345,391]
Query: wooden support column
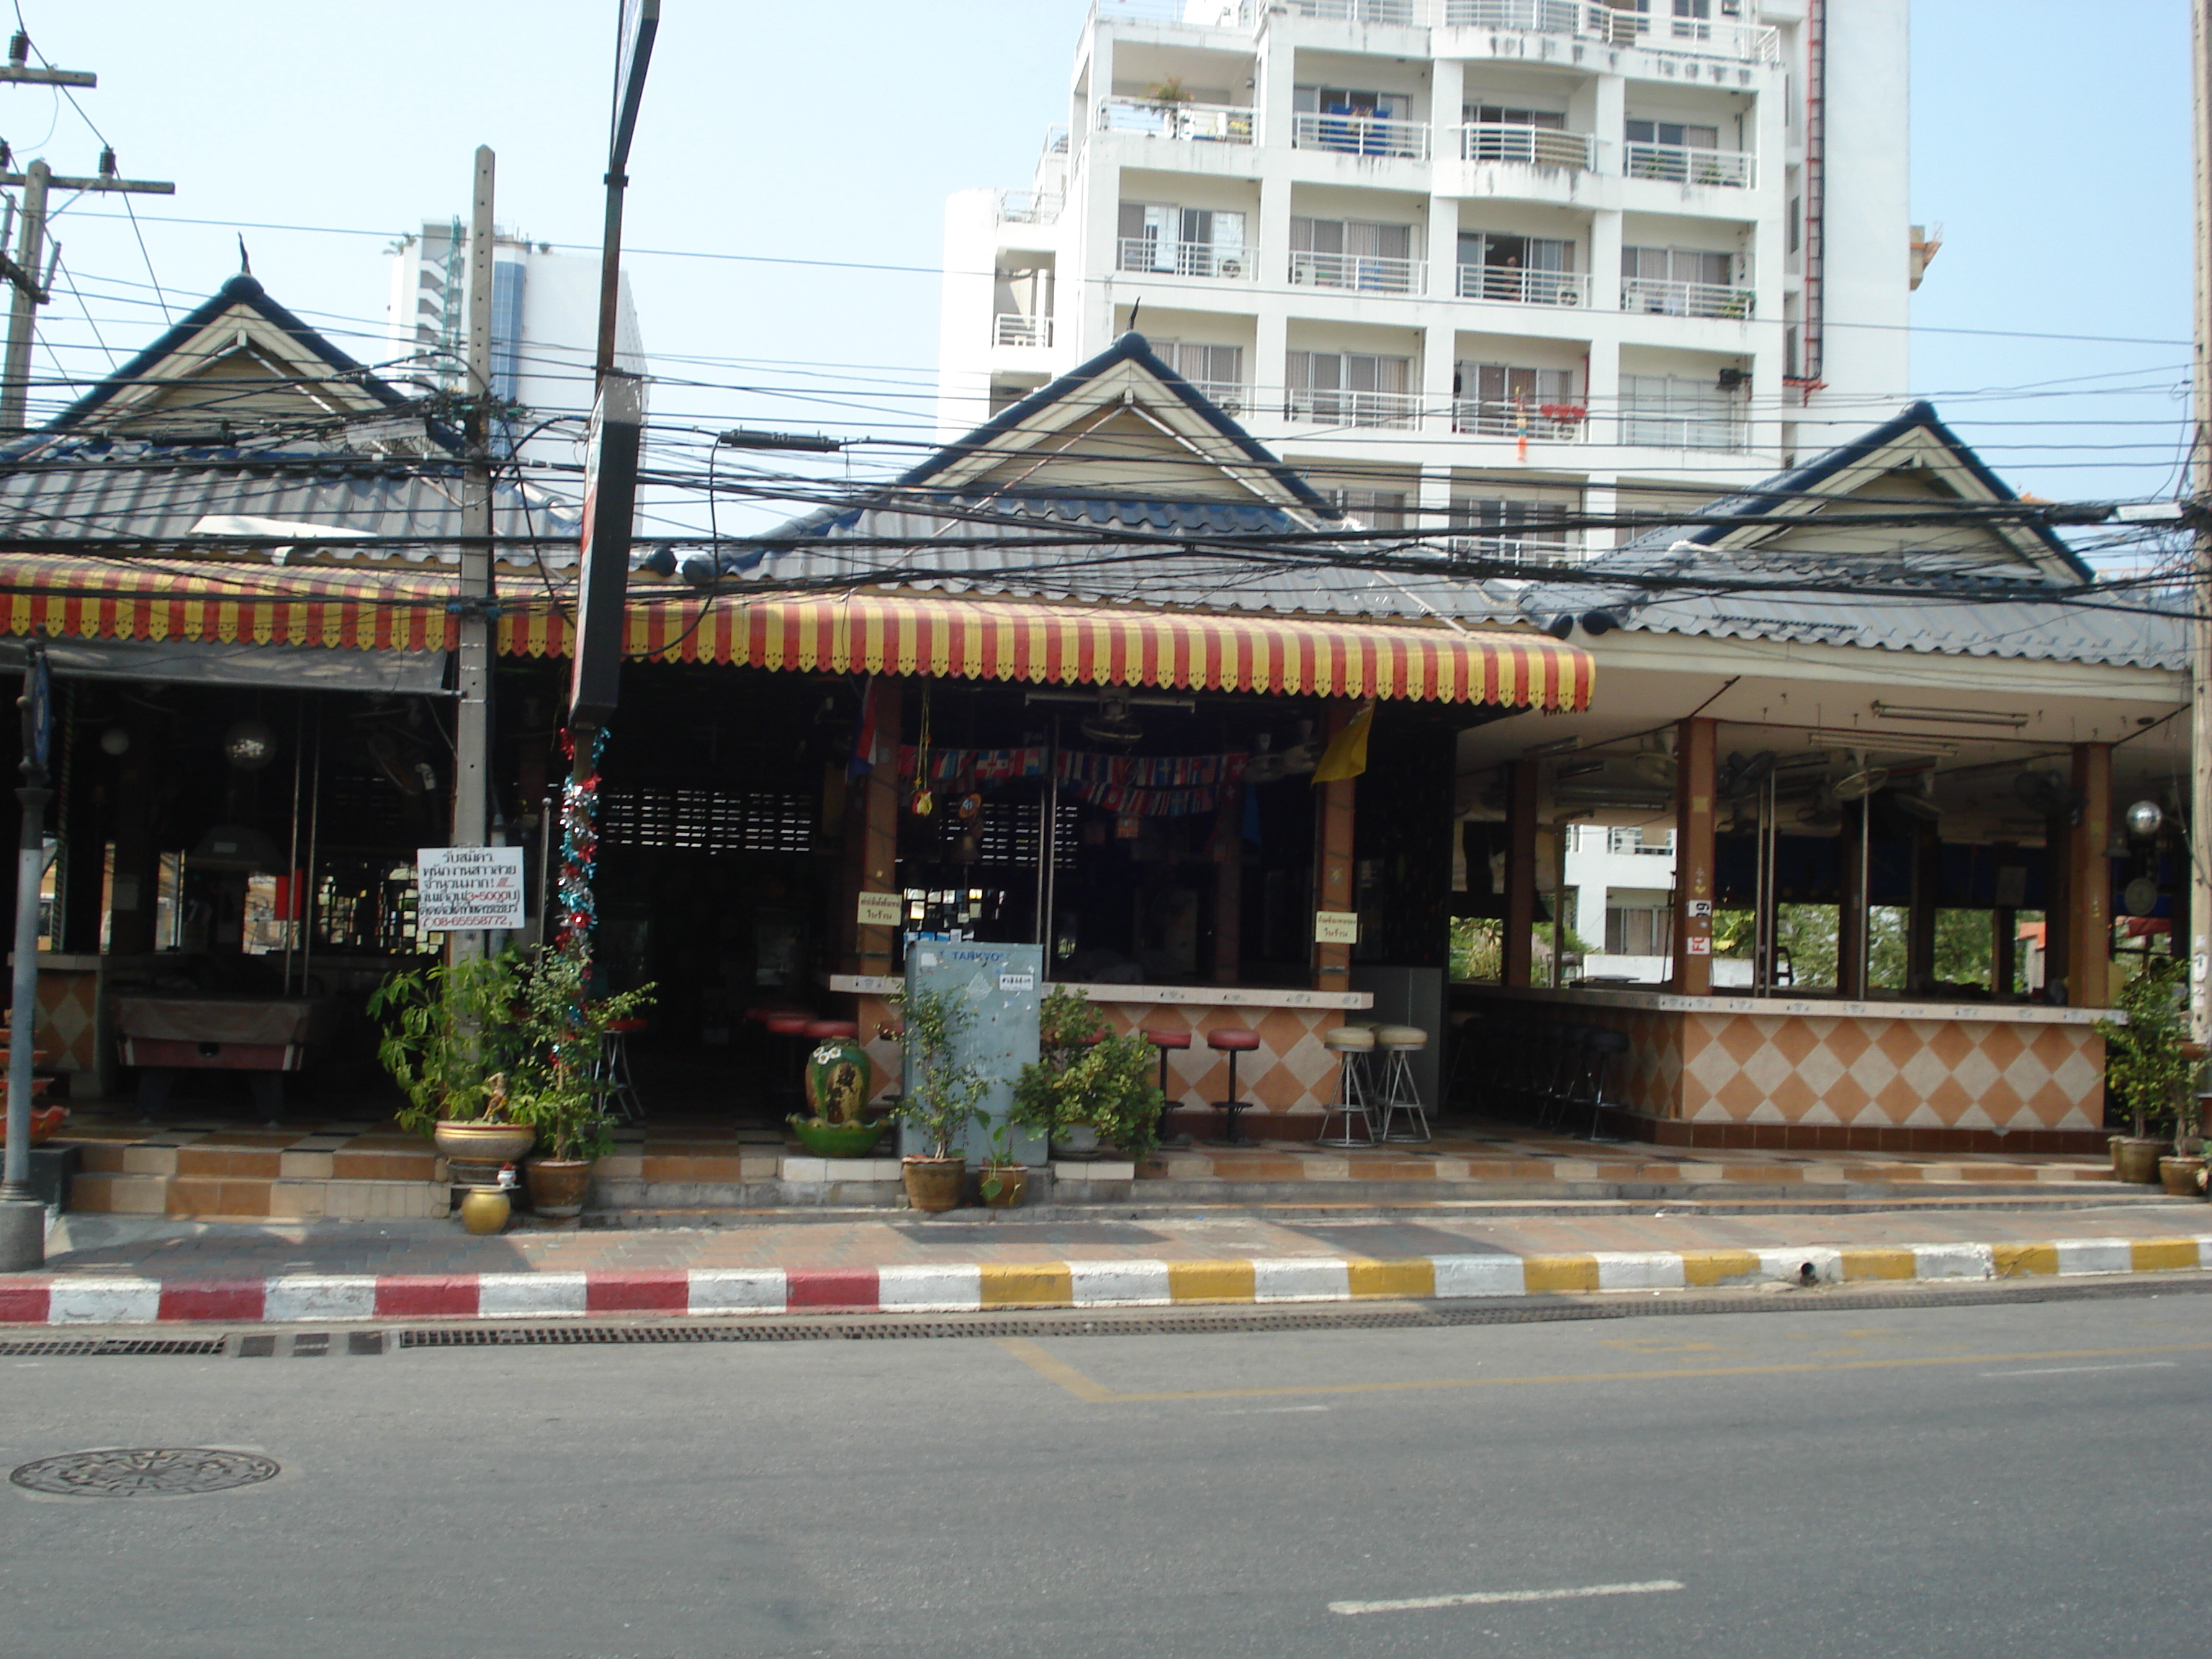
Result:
[1693,856]
[1229,887]
[2089,887]
[876,812]
[1332,888]
[1519,955]
[1920,919]
[1852,940]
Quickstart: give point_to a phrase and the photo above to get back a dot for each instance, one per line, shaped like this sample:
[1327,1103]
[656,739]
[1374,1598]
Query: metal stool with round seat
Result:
[1164,1038]
[1232,1041]
[1353,1047]
[1395,1090]
[621,1098]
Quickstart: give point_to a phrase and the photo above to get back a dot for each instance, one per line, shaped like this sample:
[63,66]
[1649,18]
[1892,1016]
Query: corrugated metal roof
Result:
[92,490]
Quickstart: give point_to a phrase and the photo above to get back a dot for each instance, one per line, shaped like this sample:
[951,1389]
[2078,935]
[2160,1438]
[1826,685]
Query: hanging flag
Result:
[864,740]
[1347,754]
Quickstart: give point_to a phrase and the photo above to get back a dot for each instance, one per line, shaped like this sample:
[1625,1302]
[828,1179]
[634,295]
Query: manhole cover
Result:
[143,1472]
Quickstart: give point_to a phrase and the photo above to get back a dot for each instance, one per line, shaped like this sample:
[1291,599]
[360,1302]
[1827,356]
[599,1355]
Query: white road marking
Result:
[1484,1598]
[2068,1371]
[1268,1411]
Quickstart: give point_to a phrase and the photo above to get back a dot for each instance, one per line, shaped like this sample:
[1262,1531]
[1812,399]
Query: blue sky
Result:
[2050,139]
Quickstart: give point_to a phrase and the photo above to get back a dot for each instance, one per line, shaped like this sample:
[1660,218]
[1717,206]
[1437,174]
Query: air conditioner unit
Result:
[1233,268]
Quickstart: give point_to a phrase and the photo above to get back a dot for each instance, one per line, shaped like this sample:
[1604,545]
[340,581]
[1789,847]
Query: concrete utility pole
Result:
[22,1215]
[2200,586]
[472,721]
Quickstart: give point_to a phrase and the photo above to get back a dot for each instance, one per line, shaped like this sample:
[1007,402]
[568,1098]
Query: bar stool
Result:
[621,1097]
[1164,1038]
[792,1027]
[1353,1045]
[1396,1092]
[1603,1044]
[1231,1041]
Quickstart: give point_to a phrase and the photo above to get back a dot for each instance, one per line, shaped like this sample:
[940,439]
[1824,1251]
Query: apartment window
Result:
[506,279]
[1517,270]
[1380,509]
[1356,253]
[1680,281]
[1508,115]
[1361,122]
[1670,412]
[1349,388]
[1637,933]
[1502,401]
[1186,241]
[1516,531]
[1683,152]
[1218,371]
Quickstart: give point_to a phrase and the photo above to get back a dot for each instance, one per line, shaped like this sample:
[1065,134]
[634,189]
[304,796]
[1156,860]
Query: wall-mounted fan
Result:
[2045,793]
[1742,773]
[1113,723]
[1918,798]
[1860,781]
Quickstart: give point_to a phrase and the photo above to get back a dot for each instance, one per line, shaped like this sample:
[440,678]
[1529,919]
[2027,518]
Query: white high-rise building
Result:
[1469,263]
[544,329]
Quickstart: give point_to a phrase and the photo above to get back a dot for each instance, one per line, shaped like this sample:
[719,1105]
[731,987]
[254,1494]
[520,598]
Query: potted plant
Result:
[947,1096]
[556,1087]
[1006,1180]
[2147,1070]
[1088,1087]
[450,1041]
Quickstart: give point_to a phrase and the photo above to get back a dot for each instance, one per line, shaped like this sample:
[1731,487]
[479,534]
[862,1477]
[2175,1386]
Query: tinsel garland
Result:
[579,851]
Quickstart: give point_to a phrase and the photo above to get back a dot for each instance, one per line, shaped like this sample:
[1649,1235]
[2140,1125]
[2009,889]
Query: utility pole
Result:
[472,721]
[28,281]
[2200,584]
[23,1216]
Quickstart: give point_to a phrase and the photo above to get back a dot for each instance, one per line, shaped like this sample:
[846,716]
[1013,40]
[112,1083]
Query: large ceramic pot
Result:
[484,1143]
[484,1210]
[2136,1161]
[1076,1140]
[559,1185]
[1004,1185]
[838,1074]
[933,1183]
[2179,1176]
[837,1140]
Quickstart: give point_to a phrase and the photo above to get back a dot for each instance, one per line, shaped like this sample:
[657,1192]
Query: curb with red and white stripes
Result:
[970,1287]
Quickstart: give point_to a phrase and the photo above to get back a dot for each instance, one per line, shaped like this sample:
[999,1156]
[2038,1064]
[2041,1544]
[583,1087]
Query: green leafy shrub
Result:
[1084,1075]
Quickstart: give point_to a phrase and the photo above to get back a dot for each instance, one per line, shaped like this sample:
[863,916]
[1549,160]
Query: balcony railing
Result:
[1686,299]
[1565,423]
[1229,397]
[1015,330]
[1197,124]
[1417,14]
[1141,253]
[1367,273]
[1540,147]
[1585,19]
[1361,134]
[1390,409]
[1029,206]
[1510,285]
[1513,550]
[1680,164]
[1669,430]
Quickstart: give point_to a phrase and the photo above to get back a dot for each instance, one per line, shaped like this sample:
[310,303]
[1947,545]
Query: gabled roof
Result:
[239,361]
[1979,589]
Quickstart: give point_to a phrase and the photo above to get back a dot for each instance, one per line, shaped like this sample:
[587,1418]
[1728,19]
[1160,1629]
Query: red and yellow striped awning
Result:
[938,636]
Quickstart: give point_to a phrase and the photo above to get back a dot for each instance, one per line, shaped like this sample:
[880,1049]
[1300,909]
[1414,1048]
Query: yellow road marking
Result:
[1095,1392]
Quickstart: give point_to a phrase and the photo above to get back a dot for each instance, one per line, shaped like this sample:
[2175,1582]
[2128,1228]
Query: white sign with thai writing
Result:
[879,910]
[1336,927]
[463,889]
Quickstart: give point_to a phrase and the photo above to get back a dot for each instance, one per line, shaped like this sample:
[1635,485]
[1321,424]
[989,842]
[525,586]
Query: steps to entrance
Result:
[206,1172]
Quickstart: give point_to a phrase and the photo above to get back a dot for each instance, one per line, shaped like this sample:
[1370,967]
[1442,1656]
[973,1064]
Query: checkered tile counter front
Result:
[1858,1067]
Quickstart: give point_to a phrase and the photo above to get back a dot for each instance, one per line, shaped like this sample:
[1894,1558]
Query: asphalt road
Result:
[2021,1478]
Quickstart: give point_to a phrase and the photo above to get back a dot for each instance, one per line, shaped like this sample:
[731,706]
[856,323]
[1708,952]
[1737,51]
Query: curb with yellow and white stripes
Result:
[972,1287]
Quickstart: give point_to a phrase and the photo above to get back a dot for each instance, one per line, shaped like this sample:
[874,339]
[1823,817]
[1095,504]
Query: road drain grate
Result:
[71,1348]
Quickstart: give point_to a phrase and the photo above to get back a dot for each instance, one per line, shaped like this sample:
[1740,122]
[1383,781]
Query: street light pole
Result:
[22,1216]
[2200,583]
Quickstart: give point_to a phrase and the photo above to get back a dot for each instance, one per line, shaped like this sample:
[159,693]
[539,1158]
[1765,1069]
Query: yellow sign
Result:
[880,910]
[1336,927]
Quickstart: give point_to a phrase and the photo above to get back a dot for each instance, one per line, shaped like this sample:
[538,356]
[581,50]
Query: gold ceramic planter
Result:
[484,1143]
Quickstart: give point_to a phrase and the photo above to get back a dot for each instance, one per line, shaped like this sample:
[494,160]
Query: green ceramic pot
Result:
[837,1140]
[837,1077]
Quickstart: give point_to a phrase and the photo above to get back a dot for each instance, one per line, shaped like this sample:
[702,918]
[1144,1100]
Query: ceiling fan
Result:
[2045,793]
[1113,723]
[1859,782]
[1918,798]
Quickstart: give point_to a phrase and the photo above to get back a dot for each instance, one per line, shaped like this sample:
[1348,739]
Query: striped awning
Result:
[938,636]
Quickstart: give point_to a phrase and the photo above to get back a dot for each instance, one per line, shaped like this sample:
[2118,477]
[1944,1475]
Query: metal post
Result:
[23,1216]
[2200,587]
[472,719]
[23,298]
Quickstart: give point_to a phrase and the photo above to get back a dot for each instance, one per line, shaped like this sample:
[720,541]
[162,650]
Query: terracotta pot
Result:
[2179,1176]
[559,1185]
[485,1210]
[1005,1185]
[484,1143]
[933,1183]
[2136,1161]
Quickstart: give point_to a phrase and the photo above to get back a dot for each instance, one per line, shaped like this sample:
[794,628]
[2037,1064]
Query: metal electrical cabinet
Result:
[1000,984]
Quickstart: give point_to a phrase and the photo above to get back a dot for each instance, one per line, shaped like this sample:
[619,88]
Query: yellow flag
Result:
[1347,754]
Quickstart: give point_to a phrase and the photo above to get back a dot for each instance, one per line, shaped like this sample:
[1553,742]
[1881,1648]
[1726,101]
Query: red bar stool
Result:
[1232,1041]
[622,1098]
[791,1026]
[1164,1038]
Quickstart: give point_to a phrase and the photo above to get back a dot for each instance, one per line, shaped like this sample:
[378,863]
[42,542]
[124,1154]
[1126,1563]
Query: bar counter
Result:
[1823,1073]
[1292,1075]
